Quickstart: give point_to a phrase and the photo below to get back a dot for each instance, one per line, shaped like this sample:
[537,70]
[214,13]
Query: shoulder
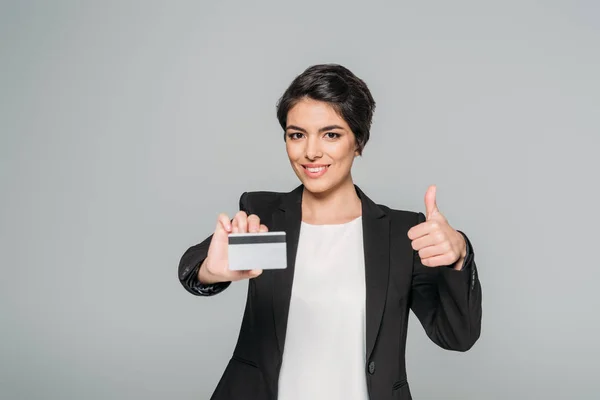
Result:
[404,217]
[396,216]
[257,201]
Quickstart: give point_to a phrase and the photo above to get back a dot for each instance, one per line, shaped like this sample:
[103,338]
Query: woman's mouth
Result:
[315,171]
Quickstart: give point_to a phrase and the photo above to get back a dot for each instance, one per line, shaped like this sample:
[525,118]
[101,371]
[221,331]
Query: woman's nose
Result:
[313,150]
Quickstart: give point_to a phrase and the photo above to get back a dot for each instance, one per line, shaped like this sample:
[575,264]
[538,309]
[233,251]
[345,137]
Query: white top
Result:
[324,355]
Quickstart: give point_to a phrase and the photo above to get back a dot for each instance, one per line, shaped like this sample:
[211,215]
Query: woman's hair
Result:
[338,86]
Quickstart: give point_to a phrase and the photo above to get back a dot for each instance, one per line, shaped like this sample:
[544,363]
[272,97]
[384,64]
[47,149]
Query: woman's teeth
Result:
[318,169]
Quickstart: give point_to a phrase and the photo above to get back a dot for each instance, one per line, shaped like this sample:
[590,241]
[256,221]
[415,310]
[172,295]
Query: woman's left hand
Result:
[436,241]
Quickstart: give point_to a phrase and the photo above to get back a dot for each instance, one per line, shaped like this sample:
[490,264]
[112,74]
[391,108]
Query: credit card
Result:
[265,250]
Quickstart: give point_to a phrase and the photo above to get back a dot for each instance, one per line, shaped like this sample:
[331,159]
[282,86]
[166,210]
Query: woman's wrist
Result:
[205,277]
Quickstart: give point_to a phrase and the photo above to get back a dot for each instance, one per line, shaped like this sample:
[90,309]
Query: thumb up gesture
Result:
[436,241]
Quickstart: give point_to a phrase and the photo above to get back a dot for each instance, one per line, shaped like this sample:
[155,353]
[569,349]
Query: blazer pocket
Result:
[399,384]
[400,390]
[242,379]
[244,361]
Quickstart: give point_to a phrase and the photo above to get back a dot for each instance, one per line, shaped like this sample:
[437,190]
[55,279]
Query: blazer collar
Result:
[376,241]
[292,202]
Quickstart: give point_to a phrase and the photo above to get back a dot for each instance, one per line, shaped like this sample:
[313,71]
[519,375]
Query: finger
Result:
[439,261]
[223,223]
[430,203]
[427,240]
[423,229]
[263,228]
[253,273]
[242,221]
[235,228]
[253,223]
[432,251]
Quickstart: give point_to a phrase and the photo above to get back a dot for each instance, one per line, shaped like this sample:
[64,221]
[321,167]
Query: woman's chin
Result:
[317,186]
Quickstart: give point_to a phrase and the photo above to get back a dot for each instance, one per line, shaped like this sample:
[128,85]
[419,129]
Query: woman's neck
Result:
[336,206]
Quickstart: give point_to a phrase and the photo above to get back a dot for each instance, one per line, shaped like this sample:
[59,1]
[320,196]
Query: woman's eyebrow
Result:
[296,128]
[323,129]
[330,128]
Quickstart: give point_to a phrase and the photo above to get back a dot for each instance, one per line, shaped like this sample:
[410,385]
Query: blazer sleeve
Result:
[192,259]
[447,302]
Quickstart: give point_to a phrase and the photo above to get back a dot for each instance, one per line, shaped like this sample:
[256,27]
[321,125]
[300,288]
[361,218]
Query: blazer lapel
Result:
[288,218]
[376,240]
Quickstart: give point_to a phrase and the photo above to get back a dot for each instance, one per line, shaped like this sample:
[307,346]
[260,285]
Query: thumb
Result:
[253,273]
[430,204]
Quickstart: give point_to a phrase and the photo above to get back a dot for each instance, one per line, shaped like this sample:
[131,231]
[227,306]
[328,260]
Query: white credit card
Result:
[265,250]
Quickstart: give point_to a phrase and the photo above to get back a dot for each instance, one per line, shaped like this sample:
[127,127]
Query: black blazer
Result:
[446,302]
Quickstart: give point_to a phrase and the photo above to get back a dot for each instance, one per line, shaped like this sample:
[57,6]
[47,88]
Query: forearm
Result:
[447,301]
[456,320]
[194,278]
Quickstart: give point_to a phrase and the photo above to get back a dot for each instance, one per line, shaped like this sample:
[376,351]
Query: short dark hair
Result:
[338,86]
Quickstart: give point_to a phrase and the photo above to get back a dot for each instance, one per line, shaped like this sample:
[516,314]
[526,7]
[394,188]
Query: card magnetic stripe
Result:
[258,239]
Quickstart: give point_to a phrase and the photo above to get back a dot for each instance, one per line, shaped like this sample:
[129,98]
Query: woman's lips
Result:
[315,171]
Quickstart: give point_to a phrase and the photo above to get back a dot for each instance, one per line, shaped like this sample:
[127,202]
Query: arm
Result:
[189,266]
[192,260]
[447,302]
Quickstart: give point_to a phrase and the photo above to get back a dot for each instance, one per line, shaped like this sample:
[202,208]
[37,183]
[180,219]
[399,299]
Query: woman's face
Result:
[320,145]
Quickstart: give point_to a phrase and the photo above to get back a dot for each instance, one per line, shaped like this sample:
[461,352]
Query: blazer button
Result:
[372,367]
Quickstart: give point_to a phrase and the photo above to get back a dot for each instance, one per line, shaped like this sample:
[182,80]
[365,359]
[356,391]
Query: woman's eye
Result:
[295,135]
[332,135]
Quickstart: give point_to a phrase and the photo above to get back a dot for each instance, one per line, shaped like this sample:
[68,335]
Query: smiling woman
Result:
[321,149]
[333,323]
[326,116]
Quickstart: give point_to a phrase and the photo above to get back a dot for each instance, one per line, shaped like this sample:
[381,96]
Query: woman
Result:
[333,324]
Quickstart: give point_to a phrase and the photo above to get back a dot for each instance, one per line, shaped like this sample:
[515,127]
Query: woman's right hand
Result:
[215,267]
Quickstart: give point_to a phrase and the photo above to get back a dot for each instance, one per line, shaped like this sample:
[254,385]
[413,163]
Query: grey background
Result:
[126,127]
